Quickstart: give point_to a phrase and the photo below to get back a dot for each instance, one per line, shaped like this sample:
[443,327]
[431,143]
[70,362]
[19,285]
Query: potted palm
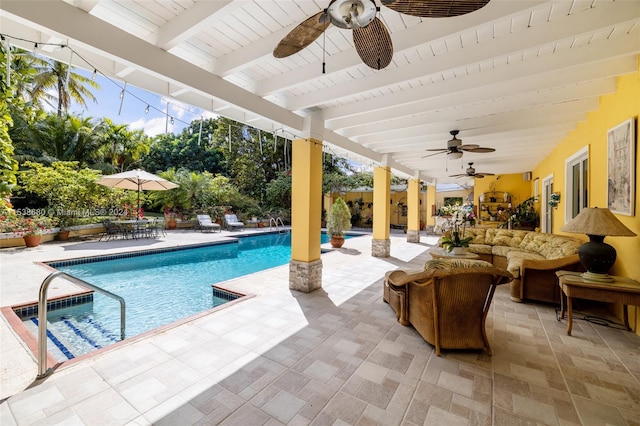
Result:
[338,222]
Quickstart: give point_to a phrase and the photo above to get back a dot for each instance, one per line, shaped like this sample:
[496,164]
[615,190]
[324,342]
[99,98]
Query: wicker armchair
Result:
[448,307]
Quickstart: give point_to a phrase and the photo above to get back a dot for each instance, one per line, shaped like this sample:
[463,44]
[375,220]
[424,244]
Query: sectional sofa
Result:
[531,257]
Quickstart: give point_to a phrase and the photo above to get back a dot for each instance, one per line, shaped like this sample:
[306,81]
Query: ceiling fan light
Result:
[350,14]
[454,155]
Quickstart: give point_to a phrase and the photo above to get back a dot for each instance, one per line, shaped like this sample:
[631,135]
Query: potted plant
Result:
[525,215]
[338,222]
[31,229]
[454,240]
[65,223]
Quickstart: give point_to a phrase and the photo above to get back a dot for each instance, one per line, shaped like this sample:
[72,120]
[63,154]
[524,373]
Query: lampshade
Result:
[597,256]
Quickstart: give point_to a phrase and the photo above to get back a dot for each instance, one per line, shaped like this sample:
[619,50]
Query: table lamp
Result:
[597,256]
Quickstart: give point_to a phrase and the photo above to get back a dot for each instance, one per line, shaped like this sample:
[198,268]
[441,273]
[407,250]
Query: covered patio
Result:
[336,355]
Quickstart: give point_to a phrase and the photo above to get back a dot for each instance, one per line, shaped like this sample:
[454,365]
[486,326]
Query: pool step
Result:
[68,338]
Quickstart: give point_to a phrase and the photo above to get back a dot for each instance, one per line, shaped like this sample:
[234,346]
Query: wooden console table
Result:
[623,290]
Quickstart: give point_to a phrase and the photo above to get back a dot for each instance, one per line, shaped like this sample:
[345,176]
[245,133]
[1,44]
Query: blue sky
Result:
[134,105]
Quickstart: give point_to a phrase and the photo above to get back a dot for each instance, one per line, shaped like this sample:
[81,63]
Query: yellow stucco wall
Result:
[614,109]
[512,183]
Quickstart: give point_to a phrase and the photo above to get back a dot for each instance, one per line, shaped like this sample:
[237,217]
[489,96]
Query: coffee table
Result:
[622,290]
[438,253]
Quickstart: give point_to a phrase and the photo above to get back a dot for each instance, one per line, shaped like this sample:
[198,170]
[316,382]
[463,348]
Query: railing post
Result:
[42,325]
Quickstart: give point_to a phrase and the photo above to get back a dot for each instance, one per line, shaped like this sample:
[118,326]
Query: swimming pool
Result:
[159,287]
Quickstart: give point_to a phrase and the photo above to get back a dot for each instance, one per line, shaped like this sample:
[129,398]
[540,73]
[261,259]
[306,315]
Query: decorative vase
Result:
[32,240]
[336,241]
[458,251]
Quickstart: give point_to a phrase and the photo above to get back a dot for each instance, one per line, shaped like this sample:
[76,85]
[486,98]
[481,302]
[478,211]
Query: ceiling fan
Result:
[471,172]
[370,36]
[455,147]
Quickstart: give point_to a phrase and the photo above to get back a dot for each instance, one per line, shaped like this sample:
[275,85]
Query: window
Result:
[576,183]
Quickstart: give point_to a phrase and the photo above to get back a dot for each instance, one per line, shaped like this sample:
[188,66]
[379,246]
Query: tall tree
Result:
[65,84]
[121,147]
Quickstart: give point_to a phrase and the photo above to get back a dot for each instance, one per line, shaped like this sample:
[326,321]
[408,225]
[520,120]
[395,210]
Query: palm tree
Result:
[68,138]
[65,83]
[121,147]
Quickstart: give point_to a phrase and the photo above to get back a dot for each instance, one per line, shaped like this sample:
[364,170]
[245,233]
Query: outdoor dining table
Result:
[132,228]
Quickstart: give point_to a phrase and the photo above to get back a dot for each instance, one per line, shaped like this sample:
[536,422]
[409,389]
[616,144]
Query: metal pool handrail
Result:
[42,315]
[275,224]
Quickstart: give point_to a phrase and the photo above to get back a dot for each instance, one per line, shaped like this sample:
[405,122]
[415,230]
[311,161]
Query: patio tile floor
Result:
[334,356]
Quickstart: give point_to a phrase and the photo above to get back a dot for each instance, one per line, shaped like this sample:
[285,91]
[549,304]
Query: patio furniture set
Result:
[132,229]
[447,302]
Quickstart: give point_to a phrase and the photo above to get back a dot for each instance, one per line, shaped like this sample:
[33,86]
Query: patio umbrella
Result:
[137,180]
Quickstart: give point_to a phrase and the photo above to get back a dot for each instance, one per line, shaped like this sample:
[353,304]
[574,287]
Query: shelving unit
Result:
[494,208]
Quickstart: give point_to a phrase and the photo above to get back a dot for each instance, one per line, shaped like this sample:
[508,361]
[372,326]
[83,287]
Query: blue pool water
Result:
[158,289]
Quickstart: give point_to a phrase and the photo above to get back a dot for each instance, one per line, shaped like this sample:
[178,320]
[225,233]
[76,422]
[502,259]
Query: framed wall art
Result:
[621,168]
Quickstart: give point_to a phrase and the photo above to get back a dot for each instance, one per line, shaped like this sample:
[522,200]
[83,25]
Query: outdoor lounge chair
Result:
[448,307]
[205,224]
[232,222]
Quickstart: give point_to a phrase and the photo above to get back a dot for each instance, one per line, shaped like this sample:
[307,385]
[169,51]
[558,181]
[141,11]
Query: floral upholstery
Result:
[550,246]
[478,235]
[455,263]
[531,257]
[506,237]
[515,258]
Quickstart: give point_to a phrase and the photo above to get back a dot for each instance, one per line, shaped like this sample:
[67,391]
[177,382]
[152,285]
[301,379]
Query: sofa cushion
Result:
[515,258]
[480,248]
[455,263]
[478,235]
[507,237]
[503,250]
[549,245]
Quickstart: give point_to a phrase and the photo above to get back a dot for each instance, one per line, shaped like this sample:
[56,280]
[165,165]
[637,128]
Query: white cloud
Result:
[152,127]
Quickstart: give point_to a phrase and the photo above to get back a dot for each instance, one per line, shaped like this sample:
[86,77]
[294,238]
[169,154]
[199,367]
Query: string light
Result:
[38,45]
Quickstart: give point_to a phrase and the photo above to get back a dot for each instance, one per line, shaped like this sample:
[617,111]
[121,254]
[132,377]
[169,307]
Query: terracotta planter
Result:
[172,223]
[63,235]
[32,240]
[336,241]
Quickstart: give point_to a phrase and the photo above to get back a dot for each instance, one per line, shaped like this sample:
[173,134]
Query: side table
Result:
[623,290]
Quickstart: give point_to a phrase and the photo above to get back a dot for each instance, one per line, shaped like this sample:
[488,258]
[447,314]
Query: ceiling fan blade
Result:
[437,149]
[484,174]
[373,44]
[302,35]
[460,175]
[467,147]
[480,149]
[435,8]
[437,153]
[479,175]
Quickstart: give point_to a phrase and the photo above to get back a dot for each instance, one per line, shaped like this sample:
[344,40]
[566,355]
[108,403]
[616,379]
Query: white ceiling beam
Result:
[201,15]
[72,22]
[525,100]
[540,69]
[579,77]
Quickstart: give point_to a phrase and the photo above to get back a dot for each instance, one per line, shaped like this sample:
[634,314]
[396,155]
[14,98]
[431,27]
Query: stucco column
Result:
[305,269]
[381,244]
[431,202]
[413,211]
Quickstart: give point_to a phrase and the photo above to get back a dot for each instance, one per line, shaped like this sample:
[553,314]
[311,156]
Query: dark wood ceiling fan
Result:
[370,36]
[471,172]
[455,148]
